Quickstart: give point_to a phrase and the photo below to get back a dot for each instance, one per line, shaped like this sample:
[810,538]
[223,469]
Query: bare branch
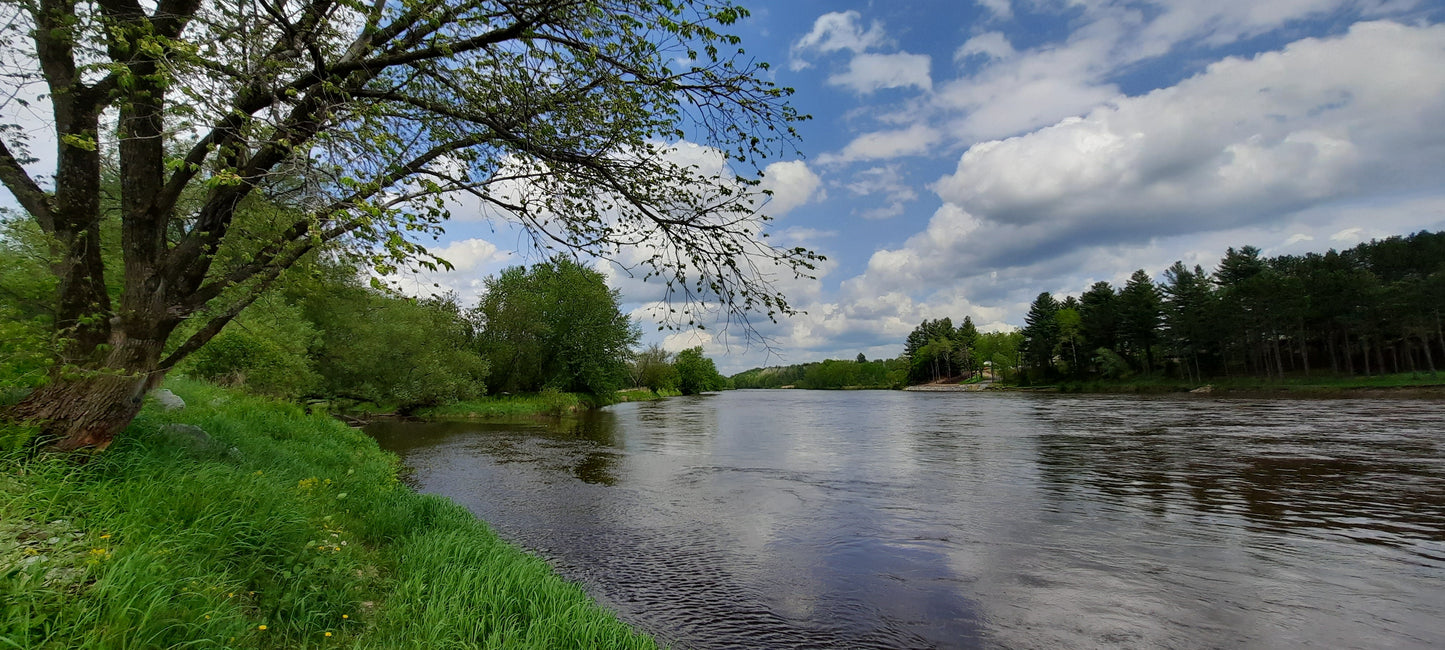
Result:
[26,191]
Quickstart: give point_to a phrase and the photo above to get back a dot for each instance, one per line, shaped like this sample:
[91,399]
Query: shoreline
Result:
[242,521]
[1431,387]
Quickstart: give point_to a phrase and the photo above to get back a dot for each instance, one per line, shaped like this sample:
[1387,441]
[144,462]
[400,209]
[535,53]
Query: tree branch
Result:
[26,191]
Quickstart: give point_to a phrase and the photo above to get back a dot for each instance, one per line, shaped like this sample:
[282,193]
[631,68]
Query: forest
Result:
[1372,309]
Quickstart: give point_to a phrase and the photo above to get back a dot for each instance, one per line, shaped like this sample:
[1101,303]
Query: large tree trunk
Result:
[87,408]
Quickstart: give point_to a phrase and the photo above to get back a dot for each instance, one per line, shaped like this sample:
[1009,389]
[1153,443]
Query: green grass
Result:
[290,521]
[545,403]
[1318,384]
[644,395]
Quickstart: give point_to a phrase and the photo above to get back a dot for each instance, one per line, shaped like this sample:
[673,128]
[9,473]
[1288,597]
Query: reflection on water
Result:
[890,519]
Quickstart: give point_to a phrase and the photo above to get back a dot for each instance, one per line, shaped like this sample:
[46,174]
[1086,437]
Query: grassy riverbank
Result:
[543,404]
[285,530]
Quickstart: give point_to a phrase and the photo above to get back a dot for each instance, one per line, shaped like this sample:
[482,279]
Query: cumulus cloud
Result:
[867,73]
[1322,119]
[1006,92]
[834,31]
[1327,141]
[792,185]
[882,145]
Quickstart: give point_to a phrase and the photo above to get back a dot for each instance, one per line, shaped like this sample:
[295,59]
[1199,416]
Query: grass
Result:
[548,403]
[1317,384]
[545,403]
[288,531]
[644,395]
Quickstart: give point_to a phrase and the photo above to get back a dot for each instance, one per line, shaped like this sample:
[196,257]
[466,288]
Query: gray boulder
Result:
[168,400]
[197,442]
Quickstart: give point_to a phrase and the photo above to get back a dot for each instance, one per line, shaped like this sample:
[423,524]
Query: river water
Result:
[793,519]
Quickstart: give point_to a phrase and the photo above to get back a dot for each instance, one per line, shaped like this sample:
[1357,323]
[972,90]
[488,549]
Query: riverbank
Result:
[1398,385]
[543,404]
[243,522]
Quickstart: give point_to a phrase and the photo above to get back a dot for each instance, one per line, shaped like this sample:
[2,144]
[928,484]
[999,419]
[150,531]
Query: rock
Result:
[188,435]
[168,400]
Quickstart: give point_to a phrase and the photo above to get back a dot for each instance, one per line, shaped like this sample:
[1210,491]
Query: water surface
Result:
[861,519]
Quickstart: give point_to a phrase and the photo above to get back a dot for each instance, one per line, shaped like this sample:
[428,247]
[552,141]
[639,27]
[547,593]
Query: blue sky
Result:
[965,155]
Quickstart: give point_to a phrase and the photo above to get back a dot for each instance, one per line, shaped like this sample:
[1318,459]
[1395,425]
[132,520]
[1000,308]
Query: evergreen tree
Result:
[1041,334]
[1140,311]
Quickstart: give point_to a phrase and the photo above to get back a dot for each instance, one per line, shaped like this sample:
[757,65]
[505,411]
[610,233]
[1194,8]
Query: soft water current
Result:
[792,519]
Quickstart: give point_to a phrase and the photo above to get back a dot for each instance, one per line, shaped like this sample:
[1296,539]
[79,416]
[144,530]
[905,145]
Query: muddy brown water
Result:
[802,519]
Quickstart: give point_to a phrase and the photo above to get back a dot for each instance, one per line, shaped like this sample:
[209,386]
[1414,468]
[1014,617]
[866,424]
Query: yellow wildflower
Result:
[261,627]
[328,634]
[105,536]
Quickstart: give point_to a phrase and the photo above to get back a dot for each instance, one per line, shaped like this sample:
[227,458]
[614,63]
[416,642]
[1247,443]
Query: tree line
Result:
[1372,309]
[832,374]
[328,333]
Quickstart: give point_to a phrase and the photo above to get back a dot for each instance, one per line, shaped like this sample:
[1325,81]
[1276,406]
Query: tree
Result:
[652,368]
[1099,319]
[1041,333]
[1070,336]
[697,373]
[1140,312]
[352,125]
[1188,313]
[554,325]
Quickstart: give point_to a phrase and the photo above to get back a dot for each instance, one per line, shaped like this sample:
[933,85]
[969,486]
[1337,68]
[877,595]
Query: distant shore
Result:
[1397,385]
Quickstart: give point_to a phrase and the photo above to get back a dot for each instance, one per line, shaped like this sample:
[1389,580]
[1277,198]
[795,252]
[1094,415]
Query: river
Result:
[810,519]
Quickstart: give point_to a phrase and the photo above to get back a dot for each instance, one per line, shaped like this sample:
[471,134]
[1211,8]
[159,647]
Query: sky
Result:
[964,156]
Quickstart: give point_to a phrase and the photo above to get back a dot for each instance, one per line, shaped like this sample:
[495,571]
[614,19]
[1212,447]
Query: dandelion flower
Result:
[328,634]
[105,536]
[345,616]
[261,627]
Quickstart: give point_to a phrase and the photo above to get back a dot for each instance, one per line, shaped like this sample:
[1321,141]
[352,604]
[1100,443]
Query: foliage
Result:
[266,349]
[652,368]
[302,532]
[936,350]
[1376,308]
[387,349]
[1041,335]
[27,347]
[697,373]
[555,325]
[248,139]
[500,407]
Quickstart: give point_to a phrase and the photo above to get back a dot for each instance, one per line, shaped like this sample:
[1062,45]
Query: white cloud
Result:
[1348,235]
[1322,119]
[870,72]
[887,181]
[882,145]
[836,31]
[802,236]
[999,8]
[792,185]
[469,254]
[992,45]
[1327,142]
